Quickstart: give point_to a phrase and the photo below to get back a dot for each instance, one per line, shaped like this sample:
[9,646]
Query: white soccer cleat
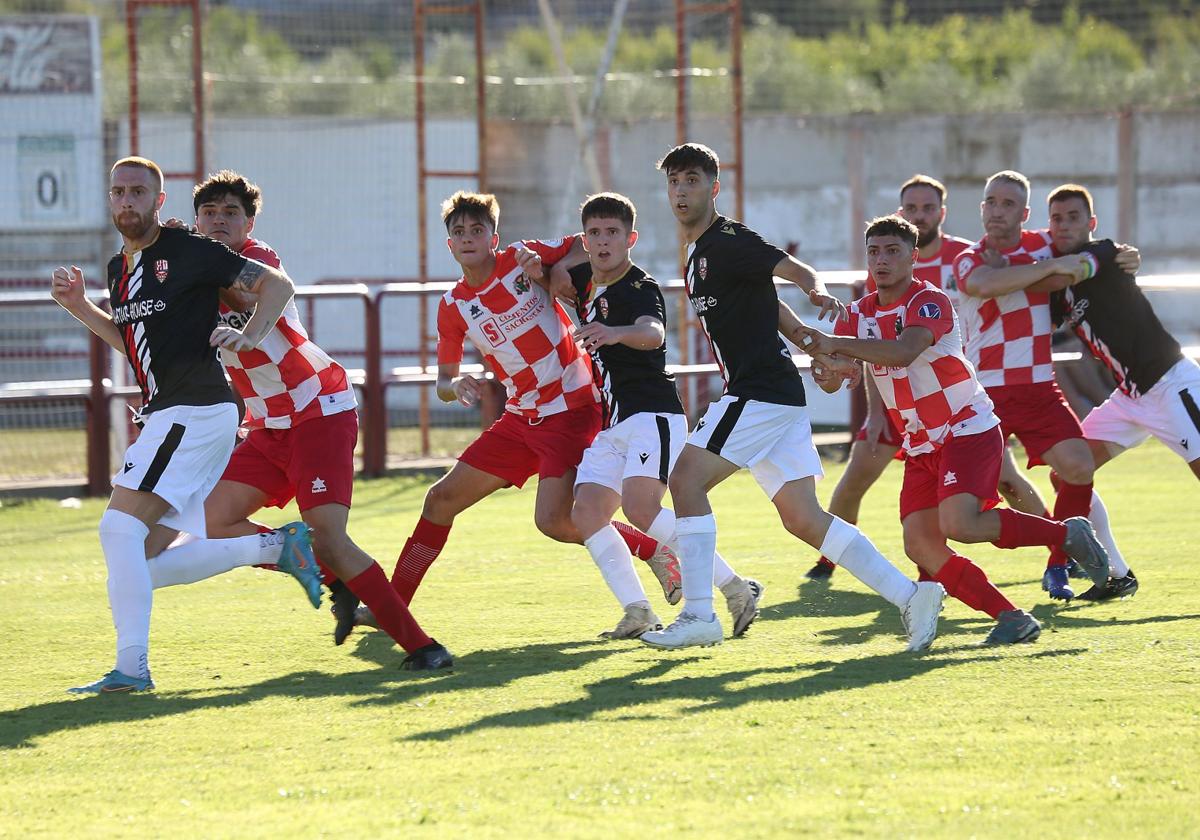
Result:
[665,566]
[742,596]
[687,630]
[920,614]
[636,621]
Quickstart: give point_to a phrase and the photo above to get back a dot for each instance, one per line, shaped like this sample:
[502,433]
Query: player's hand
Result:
[530,262]
[874,430]
[231,339]
[178,223]
[67,287]
[561,286]
[1075,265]
[593,335]
[467,389]
[828,304]
[993,258]
[813,341]
[1129,259]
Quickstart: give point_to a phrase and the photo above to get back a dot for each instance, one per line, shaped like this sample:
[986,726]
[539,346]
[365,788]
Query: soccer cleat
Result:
[1074,570]
[1081,545]
[114,682]
[636,621]
[822,570]
[363,617]
[432,657]
[742,596]
[1055,582]
[1012,627]
[920,615]
[344,605]
[1113,588]
[298,560]
[687,630]
[665,566]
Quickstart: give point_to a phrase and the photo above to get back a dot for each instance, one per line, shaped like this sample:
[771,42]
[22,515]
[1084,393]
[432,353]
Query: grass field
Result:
[815,723]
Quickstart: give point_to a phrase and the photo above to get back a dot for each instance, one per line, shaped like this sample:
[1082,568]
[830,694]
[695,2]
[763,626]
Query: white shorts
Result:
[774,441]
[646,445]
[1170,411]
[179,457]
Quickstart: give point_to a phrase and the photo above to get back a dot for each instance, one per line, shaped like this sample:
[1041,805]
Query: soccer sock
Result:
[130,595]
[697,544]
[722,571]
[422,548]
[270,563]
[662,529]
[849,548]
[1070,500]
[611,555]
[371,586]
[198,559]
[1020,529]
[825,561]
[967,582]
[1117,567]
[640,545]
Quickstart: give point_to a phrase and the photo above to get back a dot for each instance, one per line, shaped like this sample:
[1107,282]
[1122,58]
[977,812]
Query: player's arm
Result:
[646,333]
[791,269]
[273,289]
[68,289]
[829,372]
[986,281]
[452,387]
[884,352]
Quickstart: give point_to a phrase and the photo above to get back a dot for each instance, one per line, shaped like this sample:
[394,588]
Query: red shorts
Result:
[1037,414]
[968,464]
[312,462]
[889,436]
[515,447]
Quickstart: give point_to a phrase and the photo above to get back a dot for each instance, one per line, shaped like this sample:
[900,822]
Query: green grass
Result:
[815,723]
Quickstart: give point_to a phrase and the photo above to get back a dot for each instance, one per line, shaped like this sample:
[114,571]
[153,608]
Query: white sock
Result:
[198,559]
[130,596]
[612,557]
[697,545]
[849,547]
[1117,567]
[663,530]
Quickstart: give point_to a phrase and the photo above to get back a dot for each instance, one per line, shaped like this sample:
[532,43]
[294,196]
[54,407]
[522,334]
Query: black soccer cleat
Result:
[432,657]
[1115,588]
[821,570]
[345,603]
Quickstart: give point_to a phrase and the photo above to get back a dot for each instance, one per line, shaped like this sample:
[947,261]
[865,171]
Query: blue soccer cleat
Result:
[114,682]
[1055,582]
[298,560]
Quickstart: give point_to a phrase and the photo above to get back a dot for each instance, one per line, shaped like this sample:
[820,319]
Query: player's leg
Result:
[1073,471]
[1018,490]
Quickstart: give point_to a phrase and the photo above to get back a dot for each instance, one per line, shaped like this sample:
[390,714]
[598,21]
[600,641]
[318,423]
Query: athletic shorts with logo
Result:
[773,440]
[967,464]
[179,457]
[1036,414]
[1170,411]
[646,445]
[516,447]
[312,462]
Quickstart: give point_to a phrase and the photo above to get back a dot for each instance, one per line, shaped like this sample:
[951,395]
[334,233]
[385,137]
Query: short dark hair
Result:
[1067,191]
[692,156]
[228,182]
[1010,176]
[892,226]
[140,163]
[608,205]
[478,207]
[919,180]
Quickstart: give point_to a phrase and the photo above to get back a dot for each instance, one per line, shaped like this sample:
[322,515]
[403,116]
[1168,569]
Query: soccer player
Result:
[1157,387]
[908,333]
[1005,314]
[302,429]
[761,421]
[163,289]
[553,407]
[623,327]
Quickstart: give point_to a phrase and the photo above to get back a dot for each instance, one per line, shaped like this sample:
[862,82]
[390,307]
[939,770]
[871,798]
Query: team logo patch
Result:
[899,326]
[728,230]
[475,311]
[521,284]
[702,268]
[602,305]
[160,270]
[318,485]
[930,310]
[951,478]
[964,266]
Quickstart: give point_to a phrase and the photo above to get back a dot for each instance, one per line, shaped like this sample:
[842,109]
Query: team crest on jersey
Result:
[602,305]
[160,270]
[702,268]
[964,266]
[930,310]
[521,284]
[475,310]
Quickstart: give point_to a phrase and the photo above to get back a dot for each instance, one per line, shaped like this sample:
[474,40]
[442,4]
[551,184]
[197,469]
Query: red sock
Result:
[640,545]
[422,548]
[1020,529]
[826,562]
[372,588]
[967,582]
[1072,500]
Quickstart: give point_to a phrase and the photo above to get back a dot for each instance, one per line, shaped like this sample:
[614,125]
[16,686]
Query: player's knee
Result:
[959,526]
[331,546]
[586,517]
[1077,470]
[556,526]
[640,515]
[440,502]
[804,526]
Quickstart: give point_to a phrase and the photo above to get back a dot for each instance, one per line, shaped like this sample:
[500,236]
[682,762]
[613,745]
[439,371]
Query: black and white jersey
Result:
[729,281]
[164,303]
[1115,320]
[630,380]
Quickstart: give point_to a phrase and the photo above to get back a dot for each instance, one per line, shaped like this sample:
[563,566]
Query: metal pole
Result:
[131,43]
[735,46]
[856,175]
[480,96]
[1126,177]
[422,220]
[98,465]
[374,413]
[198,89]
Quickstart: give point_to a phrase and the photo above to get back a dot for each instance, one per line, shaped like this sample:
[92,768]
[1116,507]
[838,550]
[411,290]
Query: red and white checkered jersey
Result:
[938,269]
[522,333]
[1007,338]
[287,379]
[937,396]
